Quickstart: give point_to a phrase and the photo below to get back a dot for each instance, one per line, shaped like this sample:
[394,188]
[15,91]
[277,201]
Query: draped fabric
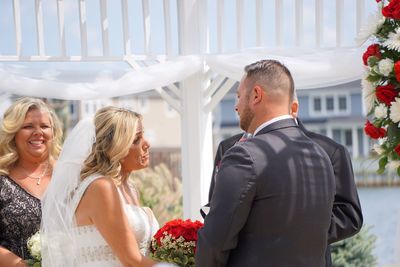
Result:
[311,68]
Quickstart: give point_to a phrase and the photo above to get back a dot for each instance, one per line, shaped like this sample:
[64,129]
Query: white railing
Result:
[231,26]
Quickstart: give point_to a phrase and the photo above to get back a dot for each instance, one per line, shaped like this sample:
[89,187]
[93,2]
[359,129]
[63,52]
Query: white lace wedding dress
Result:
[91,248]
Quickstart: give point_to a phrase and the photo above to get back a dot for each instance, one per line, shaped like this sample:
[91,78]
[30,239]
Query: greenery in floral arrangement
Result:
[175,242]
[381,83]
[160,191]
[355,251]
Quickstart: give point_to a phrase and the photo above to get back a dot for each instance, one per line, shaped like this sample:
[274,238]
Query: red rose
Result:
[386,93]
[392,10]
[372,50]
[373,131]
[397,149]
[397,70]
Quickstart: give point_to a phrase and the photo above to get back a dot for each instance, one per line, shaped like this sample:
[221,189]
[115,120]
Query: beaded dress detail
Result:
[20,214]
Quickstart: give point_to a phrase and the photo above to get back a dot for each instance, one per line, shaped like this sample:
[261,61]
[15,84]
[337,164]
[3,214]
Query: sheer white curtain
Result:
[30,83]
[311,68]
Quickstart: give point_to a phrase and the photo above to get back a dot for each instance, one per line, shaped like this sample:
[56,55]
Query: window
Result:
[317,104]
[336,135]
[330,104]
[342,103]
[348,138]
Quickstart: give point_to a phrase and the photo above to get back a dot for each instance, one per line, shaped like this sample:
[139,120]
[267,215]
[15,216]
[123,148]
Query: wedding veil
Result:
[59,203]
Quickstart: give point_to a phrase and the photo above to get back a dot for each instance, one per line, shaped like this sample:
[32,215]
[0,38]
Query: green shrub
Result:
[160,191]
[355,251]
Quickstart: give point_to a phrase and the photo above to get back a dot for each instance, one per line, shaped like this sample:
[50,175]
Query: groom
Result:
[273,197]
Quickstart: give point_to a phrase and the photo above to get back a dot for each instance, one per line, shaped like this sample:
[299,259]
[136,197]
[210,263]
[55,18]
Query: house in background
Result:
[336,112]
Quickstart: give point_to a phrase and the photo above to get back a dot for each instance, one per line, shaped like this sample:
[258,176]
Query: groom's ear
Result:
[257,94]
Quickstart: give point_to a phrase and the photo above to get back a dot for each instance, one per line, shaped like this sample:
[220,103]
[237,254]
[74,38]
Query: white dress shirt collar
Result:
[265,124]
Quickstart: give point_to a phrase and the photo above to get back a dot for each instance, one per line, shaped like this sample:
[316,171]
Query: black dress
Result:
[20,215]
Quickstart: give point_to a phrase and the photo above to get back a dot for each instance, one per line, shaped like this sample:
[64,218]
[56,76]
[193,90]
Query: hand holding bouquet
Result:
[175,242]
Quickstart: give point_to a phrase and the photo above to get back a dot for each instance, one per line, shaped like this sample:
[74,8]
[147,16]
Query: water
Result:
[381,209]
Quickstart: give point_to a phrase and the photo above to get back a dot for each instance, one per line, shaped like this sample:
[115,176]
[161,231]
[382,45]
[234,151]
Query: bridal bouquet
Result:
[34,248]
[175,242]
[381,83]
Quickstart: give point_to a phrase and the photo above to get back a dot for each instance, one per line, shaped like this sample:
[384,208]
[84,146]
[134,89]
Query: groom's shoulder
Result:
[230,141]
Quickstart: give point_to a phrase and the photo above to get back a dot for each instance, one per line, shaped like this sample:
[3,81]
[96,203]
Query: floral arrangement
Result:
[381,83]
[34,248]
[175,242]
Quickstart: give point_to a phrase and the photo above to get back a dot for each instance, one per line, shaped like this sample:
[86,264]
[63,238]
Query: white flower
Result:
[385,66]
[34,246]
[380,111]
[395,110]
[393,165]
[372,26]
[378,149]
[393,40]
[381,141]
[368,93]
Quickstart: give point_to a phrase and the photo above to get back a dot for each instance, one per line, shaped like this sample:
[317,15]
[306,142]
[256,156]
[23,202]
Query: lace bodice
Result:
[20,215]
[92,249]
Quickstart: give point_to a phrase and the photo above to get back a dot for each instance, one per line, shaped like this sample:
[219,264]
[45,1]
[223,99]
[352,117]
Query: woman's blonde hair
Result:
[12,122]
[115,132]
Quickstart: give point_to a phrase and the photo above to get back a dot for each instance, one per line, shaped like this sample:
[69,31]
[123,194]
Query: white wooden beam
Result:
[39,27]
[61,26]
[215,84]
[104,27]
[196,125]
[217,97]
[167,27]
[174,89]
[125,28]
[83,27]
[220,25]
[239,23]
[299,22]
[17,27]
[146,26]
[174,103]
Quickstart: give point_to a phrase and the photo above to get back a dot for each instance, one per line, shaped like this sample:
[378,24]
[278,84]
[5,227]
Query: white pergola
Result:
[194,77]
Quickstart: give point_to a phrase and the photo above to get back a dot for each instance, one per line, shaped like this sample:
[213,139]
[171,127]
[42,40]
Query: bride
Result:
[90,213]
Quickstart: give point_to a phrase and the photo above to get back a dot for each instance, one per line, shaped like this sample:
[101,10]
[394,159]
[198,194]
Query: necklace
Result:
[37,178]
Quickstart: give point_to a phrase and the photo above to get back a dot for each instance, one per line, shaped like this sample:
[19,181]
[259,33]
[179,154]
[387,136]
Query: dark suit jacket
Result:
[346,217]
[223,146]
[271,204]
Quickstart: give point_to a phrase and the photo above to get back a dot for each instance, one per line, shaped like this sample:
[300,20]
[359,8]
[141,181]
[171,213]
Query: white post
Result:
[195,121]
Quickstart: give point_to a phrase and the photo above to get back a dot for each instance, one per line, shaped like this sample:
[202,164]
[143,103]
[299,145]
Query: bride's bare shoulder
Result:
[102,185]
[102,189]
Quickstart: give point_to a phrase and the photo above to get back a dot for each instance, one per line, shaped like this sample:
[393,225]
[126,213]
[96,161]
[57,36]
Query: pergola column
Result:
[196,121]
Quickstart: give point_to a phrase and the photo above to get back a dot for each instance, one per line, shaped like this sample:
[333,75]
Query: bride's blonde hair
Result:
[115,132]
